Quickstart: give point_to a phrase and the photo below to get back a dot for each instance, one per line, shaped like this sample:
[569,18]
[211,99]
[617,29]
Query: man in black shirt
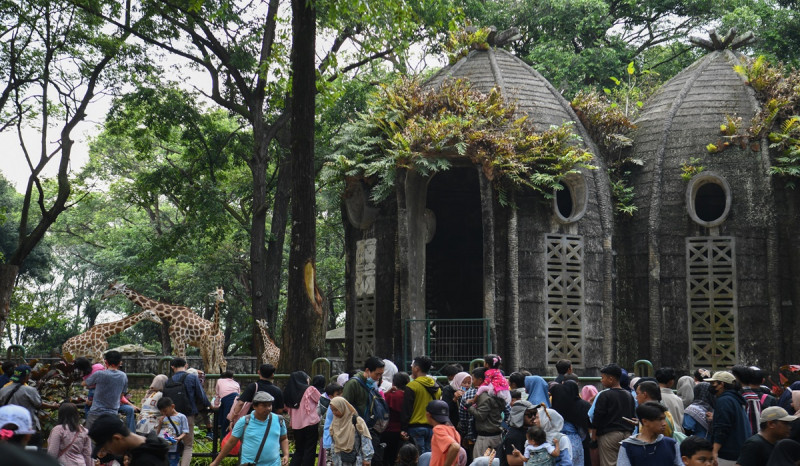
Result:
[266,375]
[775,425]
[609,427]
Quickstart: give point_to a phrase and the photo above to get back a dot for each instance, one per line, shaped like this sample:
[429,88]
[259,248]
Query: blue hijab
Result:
[537,389]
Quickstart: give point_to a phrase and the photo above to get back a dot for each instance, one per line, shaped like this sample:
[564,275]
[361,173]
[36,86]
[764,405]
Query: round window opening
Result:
[564,201]
[569,203]
[708,199]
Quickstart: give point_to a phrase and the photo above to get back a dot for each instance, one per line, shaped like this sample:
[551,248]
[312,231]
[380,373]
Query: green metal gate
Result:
[448,340]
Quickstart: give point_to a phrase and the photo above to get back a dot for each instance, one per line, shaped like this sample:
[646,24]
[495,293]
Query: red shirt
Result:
[394,399]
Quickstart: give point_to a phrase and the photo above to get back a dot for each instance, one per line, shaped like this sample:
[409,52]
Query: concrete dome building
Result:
[457,274]
[697,264]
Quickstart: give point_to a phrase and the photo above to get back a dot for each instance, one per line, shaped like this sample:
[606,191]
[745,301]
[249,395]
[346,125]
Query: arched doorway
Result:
[454,268]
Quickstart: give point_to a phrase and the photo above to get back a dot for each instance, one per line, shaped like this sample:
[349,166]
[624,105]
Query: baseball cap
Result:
[103,429]
[722,376]
[19,416]
[439,411]
[263,397]
[20,372]
[775,413]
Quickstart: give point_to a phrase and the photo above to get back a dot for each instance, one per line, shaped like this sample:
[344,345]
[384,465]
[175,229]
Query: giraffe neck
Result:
[114,328]
[215,328]
[144,302]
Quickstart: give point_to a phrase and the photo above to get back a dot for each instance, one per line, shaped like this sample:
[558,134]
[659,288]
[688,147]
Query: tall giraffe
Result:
[218,343]
[271,351]
[94,342]
[185,327]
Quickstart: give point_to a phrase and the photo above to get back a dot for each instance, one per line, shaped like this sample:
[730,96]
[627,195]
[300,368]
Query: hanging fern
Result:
[423,129]
[779,92]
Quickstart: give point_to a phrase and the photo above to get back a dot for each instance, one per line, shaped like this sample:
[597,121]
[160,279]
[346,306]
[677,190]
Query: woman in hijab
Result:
[347,436]
[588,392]
[552,423]
[452,393]
[685,389]
[785,400]
[302,399]
[343,378]
[148,417]
[695,418]
[389,370]
[574,410]
[537,390]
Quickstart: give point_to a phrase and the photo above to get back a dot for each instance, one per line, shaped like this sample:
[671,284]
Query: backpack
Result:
[376,414]
[176,391]
[753,406]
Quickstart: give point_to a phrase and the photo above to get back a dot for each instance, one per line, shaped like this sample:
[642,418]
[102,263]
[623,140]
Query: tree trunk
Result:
[8,276]
[274,257]
[303,337]
[258,230]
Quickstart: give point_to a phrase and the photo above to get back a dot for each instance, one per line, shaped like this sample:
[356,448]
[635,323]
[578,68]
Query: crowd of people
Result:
[382,416]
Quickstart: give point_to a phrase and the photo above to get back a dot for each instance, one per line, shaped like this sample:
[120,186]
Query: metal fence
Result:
[448,340]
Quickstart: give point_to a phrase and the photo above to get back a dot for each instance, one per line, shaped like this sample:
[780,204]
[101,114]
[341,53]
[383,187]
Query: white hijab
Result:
[389,370]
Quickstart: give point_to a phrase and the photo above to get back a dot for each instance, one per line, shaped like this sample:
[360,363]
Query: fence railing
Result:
[447,340]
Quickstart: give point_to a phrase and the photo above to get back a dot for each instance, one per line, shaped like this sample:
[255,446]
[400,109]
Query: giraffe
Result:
[185,327]
[219,297]
[271,351]
[218,344]
[93,343]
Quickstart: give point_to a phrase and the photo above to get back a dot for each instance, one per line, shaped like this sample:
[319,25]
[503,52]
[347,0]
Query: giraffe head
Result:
[114,289]
[149,314]
[218,295]
[263,324]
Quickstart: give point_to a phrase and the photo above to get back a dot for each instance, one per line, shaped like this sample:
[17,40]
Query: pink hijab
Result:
[588,393]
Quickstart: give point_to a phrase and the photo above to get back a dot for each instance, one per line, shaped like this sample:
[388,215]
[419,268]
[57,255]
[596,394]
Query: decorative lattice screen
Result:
[364,338]
[711,284]
[564,298]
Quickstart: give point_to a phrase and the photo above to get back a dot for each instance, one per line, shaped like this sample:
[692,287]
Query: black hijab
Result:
[567,401]
[295,388]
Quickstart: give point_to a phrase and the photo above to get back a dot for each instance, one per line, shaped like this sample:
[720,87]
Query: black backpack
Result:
[176,391]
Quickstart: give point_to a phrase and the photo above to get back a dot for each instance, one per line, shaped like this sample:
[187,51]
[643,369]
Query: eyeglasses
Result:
[533,414]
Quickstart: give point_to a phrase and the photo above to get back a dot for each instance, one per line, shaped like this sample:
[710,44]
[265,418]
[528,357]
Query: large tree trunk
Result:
[303,337]
[280,214]
[8,276]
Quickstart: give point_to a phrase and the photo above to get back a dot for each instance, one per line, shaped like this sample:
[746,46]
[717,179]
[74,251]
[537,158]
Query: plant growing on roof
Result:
[460,42]
[423,129]
[778,90]
[609,127]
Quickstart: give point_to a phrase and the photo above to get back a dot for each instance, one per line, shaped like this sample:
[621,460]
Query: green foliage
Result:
[460,42]
[610,128]
[607,123]
[422,129]
[691,167]
[776,24]
[577,44]
[778,90]
[622,192]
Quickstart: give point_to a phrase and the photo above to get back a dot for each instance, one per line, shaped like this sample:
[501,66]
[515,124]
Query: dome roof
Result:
[687,111]
[518,82]
[680,120]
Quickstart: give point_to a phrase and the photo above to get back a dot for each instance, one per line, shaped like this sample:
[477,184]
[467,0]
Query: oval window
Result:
[569,203]
[708,199]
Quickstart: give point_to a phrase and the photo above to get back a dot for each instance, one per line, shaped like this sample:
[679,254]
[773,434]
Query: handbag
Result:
[351,456]
[236,448]
[180,442]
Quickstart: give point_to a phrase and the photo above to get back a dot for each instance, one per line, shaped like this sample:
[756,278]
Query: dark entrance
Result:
[454,258]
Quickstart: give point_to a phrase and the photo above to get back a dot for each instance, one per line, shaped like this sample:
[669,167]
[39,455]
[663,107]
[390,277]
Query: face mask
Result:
[370,382]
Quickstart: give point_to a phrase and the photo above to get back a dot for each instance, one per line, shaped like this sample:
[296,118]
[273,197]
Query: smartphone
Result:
[631,421]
